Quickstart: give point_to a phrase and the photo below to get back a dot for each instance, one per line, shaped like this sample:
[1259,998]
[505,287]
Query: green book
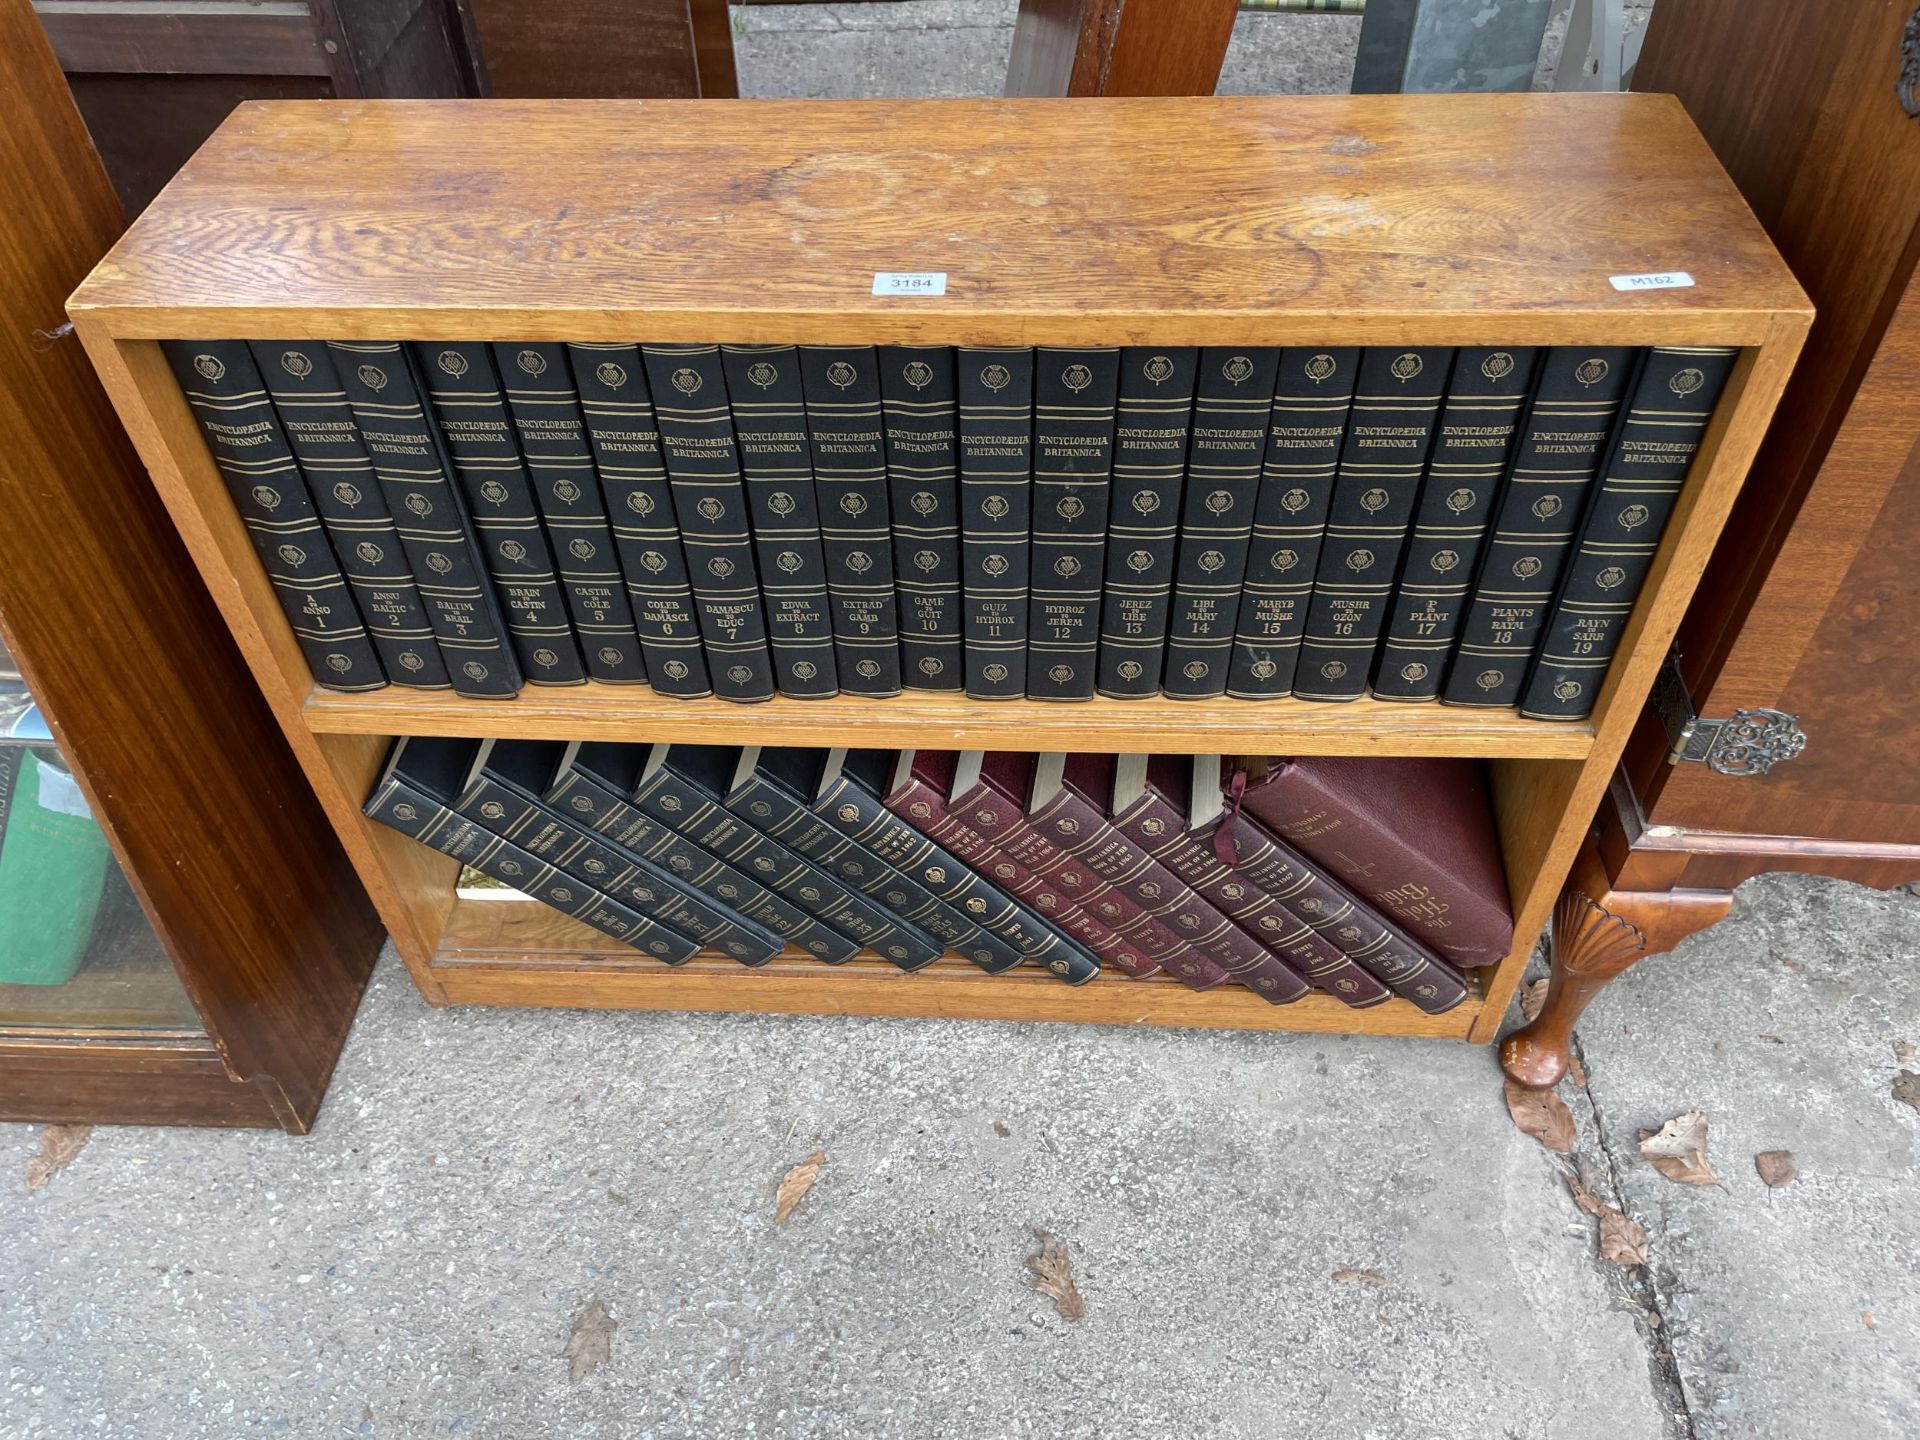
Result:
[53,861]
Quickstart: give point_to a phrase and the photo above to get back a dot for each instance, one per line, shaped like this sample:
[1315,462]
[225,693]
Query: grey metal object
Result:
[1747,742]
[1418,46]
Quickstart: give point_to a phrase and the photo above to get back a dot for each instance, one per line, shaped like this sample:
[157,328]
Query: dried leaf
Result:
[1533,998]
[1000,1129]
[1678,1149]
[1622,1241]
[1053,1276]
[1776,1167]
[60,1145]
[1866,1318]
[1359,1277]
[1906,1088]
[1543,1115]
[1583,1197]
[590,1341]
[1903,1052]
[795,1184]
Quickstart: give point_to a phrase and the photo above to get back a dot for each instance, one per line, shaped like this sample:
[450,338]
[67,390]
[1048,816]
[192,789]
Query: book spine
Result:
[926,810]
[1392,958]
[435,531]
[710,502]
[919,402]
[575,850]
[995,390]
[770,426]
[1075,392]
[617,407]
[470,411]
[667,847]
[1153,424]
[1671,408]
[1312,400]
[413,813]
[668,798]
[326,445]
[250,450]
[1471,452]
[1395,411]
[842,387]
[1562,443]
[859,815]
[1231,410]
[553,441]
[792,823]
[1143,924]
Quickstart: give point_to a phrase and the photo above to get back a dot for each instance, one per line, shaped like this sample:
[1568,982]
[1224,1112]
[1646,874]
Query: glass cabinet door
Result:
[77,953]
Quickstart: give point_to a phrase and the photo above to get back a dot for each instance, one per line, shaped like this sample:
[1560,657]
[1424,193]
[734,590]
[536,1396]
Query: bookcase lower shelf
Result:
[496,952]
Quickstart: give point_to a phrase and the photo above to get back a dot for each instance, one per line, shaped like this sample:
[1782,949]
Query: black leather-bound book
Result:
[918,399]
[777,790]
[1312,399]
[503,791]
[710,502]
[617,406]
[1563,440]
[326,444]
[995,389]
[685,785]
[1231,407]
[1471,452]
[415,795]
[770,427]
[553,441]
[470,412]
[435,530]
[842,385]
[1075,391]
[593,783]
[1396,408]
[1672,404]
[250,450]
[1153,422]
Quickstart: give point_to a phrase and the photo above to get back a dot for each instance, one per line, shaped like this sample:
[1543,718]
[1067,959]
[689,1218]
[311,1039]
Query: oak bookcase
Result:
[1428,220]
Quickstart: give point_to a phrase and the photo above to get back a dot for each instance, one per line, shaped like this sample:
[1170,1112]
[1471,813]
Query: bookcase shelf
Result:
[1338,220]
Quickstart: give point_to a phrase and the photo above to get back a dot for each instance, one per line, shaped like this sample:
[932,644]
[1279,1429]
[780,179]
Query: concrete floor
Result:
[479,1177]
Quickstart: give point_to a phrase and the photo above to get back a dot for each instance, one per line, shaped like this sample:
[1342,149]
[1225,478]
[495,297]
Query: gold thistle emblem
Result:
[789,561]
[1219,502]
[926,560]
[1146,502]
[1361,559]
[1320,367]
[531,362]
[1610,578]
[265,496]
[1686,382]
[292,554]
[346,493]
[372,376]
[1139,561]
[474,670]
[853,504]
[924,502]
[1060,674]
[848,812]
[566,490]
[640,502]
[1633,517]
[610,375]
[1546,507]
[1159,369]
[1130,669]
[687,381]
[762,374]
[514,550]
[1066,565]
[1591,372]
[1567,690]
[1373,501]
[546,657]
[995,672]
[1406,366]
[580,549]
[841,374]
[720,567]
[1489,679]
[920,810]
[805,670]
[918,374]
[996,506]
[1445,560]
[710,508]
[1527,566]
[1071,508]
[996,564]
[1265,669]
[209,367]
[1461,500]
[859,562]
[296,364]
[439,563]
[1238,369]
[653,561]
[453,363]
[493,492]
[369,552]
[493,810]
[1497,366]
[1414,672]
[404,811]
[1285,559]
[1212,560]
[1152,826]
[339,664]
[780,502]
[1295,500]
[1194,669]
[1076,378]
[1070,826]
[1334,669]
[996,377]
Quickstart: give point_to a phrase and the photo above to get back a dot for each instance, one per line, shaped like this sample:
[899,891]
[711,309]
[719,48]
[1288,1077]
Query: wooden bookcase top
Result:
[1458,219]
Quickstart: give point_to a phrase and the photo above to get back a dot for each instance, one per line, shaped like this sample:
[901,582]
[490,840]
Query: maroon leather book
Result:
[990,794]
[1068,804]
[1401,963]
[923,779]
[1414,837]
[1167,805]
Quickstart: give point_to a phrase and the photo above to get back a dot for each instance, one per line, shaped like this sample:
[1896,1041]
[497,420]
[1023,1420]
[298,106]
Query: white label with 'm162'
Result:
[1660,280]
[909,282]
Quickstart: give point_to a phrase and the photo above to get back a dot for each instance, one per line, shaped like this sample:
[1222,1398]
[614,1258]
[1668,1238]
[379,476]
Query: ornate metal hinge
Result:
[1908,85]
[1748,742]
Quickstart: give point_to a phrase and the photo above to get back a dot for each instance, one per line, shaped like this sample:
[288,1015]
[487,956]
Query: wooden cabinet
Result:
[1811,605]
[223,943]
